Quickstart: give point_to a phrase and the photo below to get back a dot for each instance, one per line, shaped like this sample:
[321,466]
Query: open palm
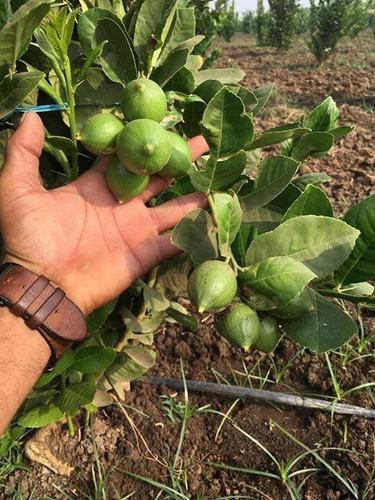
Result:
[79,236]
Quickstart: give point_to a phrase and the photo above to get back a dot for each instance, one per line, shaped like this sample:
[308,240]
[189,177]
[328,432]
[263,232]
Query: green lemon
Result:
[296,308]
[100,132]
[180,161]
[144,98]
[123,184]
[212,285]
[269,335]
[143,147]
[240,325]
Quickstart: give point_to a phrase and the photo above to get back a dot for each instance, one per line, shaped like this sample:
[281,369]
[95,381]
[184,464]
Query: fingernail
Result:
[23,117]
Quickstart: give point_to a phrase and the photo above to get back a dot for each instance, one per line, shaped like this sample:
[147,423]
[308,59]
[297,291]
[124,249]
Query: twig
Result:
[233,391]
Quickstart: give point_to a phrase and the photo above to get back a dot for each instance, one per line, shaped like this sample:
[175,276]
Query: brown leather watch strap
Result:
[43,306]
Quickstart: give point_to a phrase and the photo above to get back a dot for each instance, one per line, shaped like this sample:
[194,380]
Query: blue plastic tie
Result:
[48,108]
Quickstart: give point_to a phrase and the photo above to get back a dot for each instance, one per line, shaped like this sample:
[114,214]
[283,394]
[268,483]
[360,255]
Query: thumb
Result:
[23,151]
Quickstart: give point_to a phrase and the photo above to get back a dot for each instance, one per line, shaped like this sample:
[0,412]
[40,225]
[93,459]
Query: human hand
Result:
[78,235]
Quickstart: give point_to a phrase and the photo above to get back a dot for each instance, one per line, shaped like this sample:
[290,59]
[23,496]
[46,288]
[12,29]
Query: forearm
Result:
[23,357]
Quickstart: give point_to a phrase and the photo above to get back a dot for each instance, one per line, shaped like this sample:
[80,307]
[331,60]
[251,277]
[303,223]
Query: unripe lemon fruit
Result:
[240,325]
[212,286]
[100,132]
[181,159]
[123,184]
[143,147]
[143,98]
[269,335]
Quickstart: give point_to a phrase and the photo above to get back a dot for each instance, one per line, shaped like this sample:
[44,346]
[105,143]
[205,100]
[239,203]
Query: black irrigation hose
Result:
[234,391]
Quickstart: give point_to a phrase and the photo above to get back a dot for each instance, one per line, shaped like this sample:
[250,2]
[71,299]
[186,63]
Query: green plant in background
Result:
[302,20]
[358,17]
[248,23]
[269,228]
[263,26]
[283,23]
[218,19]
[331,20]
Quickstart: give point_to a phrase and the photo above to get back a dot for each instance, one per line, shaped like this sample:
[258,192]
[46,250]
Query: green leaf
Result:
[225,75]
[183,81]
[264,218]
[92,56]
[95,95]
[311,144]
[61,366]
[13,91]
[363,289]
[313,201]
[268,217]
[148,324]
[5,12]
[178,313]
[228,218]
[16,34]
[96,319]
[277,135]
[173,275]
[262,94]
[87,25]
[226,127]
[131,364]
[172,65]
[279,279]
[183,28]
[63,143]
[117,58]
[244,237]
[360,265]
[325,328]
[196,236]
[40,416]
[321,243]
[76,395]
[340,132]
[154,299]
[324,117]
[94,359]
[316,179]
[150,25]
[273,176]
[218,174]
[248,98]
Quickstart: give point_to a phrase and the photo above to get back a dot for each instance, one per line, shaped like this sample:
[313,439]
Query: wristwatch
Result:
[43,307]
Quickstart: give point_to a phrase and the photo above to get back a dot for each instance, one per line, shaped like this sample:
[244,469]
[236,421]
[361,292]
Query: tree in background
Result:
[358,17]
[248,24]
[302,20]
[331,20]
[262,24]
[221,19]
[283,17]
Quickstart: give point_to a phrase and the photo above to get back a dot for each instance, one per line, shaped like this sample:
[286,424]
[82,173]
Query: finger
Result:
[23,152]
[157,185]
[167,215]
[166,248]
[198,146]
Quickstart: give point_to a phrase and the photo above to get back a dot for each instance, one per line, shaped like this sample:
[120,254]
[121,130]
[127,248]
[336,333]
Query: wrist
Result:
[65,281]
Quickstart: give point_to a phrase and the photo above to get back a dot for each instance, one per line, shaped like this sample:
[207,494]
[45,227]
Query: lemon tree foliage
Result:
[331,20]
[264,257]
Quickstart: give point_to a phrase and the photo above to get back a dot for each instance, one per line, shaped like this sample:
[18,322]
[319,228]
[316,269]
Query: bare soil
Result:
[205,356]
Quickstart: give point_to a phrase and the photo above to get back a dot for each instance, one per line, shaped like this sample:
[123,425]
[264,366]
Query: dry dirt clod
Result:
[37,450]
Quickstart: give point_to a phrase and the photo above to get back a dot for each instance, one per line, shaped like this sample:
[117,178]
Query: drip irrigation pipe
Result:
[233,391]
